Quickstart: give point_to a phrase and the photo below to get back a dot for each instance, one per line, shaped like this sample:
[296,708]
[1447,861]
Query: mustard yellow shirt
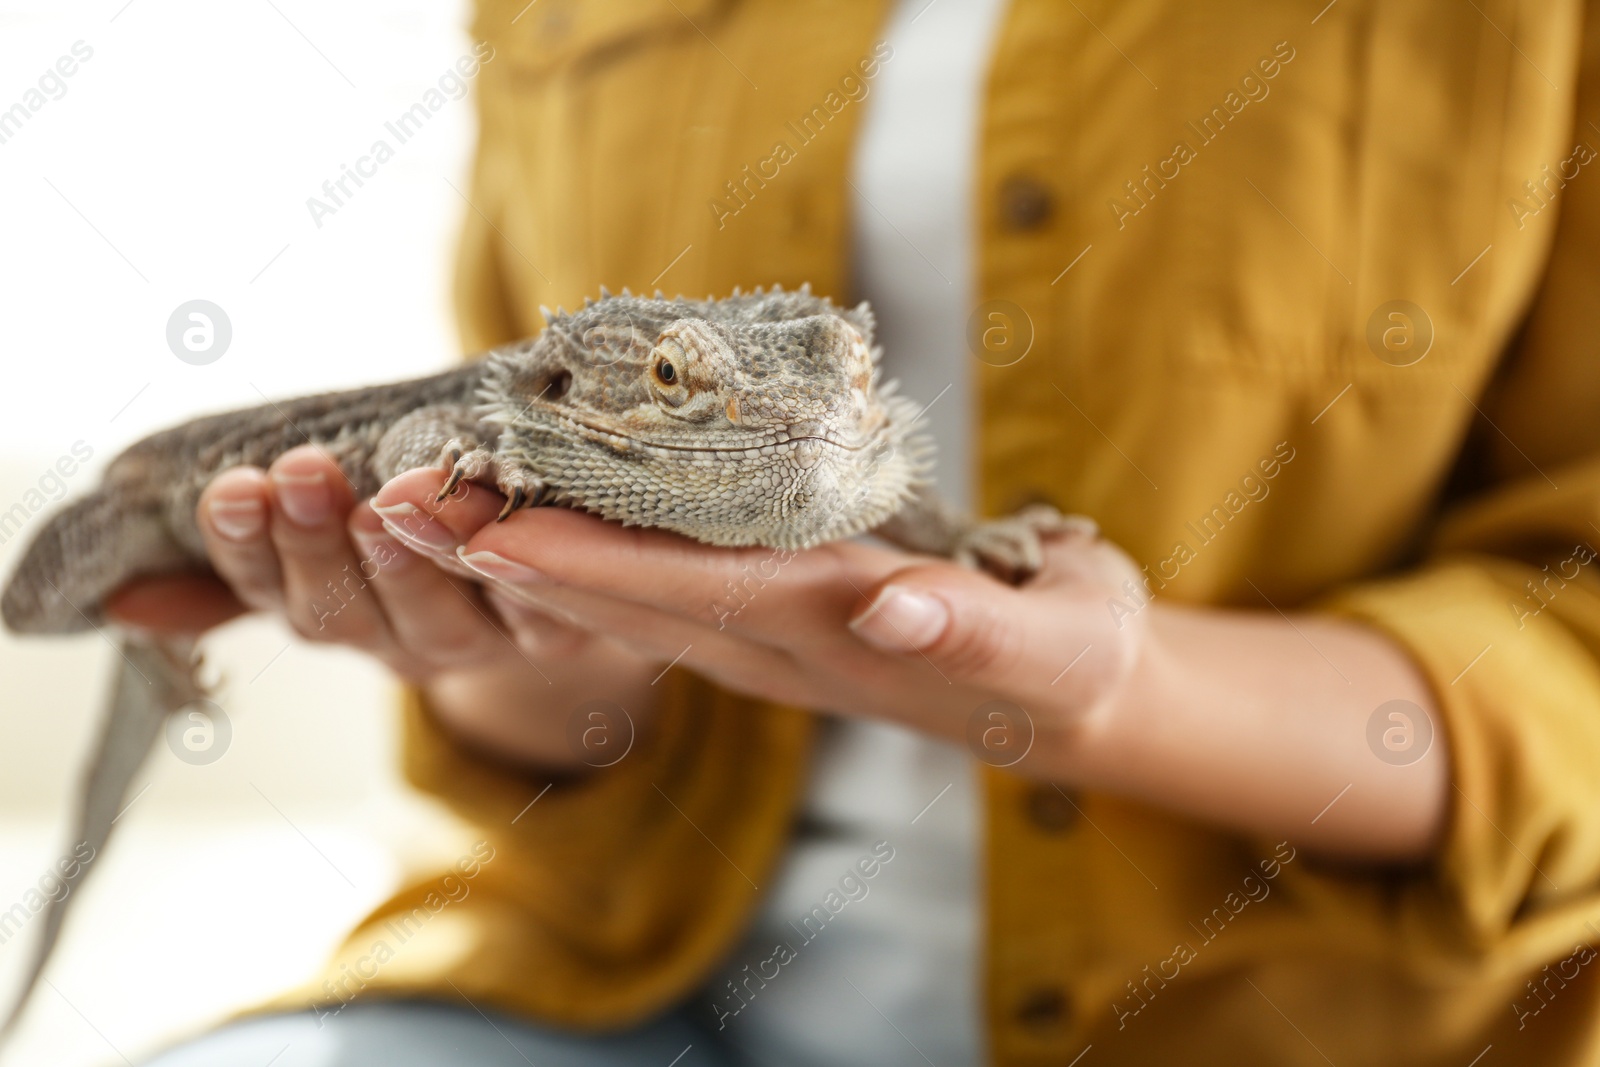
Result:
[1355,247]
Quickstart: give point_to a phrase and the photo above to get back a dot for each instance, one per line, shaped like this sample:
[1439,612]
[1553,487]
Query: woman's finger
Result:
[324,590]
[411,510]
[433,530]
[437,620]
[534,630]
[975,631]
[233,519]
[757,592]
[726,656]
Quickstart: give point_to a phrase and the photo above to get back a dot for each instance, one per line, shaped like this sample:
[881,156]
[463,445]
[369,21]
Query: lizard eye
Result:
[667,373]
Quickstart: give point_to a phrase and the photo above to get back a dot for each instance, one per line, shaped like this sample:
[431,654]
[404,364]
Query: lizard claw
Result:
[463,463]
[451,484]
[518,497]
[522,489]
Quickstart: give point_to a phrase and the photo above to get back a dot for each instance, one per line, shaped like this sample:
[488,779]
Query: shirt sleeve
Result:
[1503,612]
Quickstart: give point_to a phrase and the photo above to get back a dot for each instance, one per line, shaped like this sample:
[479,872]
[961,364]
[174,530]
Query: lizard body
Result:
[754,420]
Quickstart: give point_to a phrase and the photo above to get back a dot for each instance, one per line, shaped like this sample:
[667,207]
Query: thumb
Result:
[969,626]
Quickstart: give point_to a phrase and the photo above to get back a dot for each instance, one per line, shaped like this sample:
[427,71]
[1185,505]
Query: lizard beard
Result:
[790,495]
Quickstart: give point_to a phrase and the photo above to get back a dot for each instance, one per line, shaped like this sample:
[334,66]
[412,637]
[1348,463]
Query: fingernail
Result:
[413,525]
[238,520]
[386,493]
[304,497]
[499,568]
[902,620]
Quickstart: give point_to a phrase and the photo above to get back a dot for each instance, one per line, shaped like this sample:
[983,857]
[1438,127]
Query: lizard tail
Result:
[155,678]
[81,556]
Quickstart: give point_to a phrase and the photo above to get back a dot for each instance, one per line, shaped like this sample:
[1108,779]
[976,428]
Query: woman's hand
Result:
[292,540]
[1251,720]
[850,628]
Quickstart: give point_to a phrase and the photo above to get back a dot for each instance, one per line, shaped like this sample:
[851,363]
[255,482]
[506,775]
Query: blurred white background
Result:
[173,165]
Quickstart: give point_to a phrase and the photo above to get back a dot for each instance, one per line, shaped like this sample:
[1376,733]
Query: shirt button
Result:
[555,25]
[1025,203]
[1049,809]
[1042,1008]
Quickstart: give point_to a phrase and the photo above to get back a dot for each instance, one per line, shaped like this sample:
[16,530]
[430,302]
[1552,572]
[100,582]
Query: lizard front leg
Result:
[451,436]
[1011,548]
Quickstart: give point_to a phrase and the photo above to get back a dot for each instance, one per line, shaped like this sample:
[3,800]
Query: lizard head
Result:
[759,419]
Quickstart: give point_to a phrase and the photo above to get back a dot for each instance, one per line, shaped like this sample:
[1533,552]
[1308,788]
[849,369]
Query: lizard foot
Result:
[464,464]
[1012,548]
[479,464]
[522,489]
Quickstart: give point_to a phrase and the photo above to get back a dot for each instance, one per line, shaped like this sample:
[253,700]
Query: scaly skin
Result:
[754,420]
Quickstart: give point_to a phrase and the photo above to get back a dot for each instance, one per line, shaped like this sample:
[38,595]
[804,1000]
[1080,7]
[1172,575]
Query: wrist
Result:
[1256,722]
[1107,717]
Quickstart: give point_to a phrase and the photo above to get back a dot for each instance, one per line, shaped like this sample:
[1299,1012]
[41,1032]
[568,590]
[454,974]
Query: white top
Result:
[887,970]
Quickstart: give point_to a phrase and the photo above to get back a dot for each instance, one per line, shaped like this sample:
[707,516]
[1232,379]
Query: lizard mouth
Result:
[775,443]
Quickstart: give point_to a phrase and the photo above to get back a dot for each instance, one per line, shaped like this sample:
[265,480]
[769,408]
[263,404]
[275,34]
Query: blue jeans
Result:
[418,1033]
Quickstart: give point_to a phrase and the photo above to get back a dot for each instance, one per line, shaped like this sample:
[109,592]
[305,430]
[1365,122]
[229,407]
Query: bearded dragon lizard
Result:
[759,419]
